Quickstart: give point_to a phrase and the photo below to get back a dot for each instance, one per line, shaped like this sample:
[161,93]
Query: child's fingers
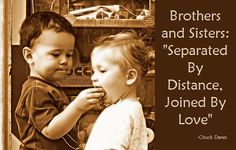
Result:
[93,101]
[95,95]
[94,90]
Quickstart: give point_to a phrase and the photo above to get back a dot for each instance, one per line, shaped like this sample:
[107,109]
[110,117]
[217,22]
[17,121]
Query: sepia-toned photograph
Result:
[81,75]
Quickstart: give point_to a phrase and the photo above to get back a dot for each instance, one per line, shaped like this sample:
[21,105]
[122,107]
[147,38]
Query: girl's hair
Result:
[130,49]
[35,24]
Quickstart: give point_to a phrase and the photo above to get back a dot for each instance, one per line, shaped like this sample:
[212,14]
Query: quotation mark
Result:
[165,46]
[209,116]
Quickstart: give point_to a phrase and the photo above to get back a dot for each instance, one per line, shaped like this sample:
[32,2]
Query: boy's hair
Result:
[35,24]
[130,49]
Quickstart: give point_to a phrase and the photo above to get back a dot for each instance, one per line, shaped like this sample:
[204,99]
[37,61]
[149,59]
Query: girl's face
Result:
[52,55]
[108,74]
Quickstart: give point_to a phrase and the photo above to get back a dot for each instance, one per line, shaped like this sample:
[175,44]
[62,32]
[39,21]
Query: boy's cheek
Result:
[71,64]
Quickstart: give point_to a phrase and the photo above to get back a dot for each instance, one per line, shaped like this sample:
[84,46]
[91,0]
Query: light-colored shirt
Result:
[120,126]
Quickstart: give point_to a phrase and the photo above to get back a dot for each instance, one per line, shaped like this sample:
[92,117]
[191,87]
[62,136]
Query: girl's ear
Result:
[131,76]
[27,54]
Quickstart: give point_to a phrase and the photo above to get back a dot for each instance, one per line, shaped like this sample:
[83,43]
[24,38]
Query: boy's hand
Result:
[88,98]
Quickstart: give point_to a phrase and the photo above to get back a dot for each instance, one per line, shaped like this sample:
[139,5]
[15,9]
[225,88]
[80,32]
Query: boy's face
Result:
[108,73]
[52,55]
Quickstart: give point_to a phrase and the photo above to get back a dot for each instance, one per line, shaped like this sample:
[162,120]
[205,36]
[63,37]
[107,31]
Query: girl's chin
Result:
[109,101]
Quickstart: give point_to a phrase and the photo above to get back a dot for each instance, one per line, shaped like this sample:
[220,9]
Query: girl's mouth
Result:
[102,98]
[103,91]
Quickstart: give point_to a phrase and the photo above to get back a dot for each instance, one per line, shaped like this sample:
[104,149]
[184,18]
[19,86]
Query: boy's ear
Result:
[131,76]
[27,54]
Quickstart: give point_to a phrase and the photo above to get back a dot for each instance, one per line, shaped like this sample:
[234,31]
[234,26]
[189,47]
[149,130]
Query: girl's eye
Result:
[98,70]
[102,71]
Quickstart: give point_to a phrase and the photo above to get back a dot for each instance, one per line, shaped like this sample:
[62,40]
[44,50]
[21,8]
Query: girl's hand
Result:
[88,98]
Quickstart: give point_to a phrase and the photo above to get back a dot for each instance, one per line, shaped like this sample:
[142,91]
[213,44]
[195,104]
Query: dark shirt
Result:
[39,102]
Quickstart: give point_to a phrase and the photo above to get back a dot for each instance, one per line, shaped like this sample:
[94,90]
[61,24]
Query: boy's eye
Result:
[69,55]
[55,55]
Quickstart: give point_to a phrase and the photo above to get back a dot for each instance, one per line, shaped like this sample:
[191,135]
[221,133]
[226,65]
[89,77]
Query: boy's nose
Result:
[64,60]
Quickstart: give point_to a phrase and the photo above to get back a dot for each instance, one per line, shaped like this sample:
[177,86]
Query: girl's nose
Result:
[93,77]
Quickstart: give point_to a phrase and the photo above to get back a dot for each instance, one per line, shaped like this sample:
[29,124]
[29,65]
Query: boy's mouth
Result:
[63,70]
